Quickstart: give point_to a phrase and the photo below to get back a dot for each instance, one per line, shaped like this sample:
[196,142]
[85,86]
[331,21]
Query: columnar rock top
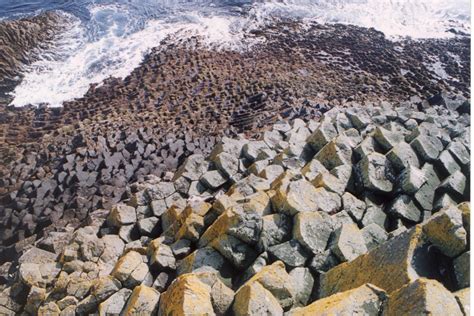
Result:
[363,211]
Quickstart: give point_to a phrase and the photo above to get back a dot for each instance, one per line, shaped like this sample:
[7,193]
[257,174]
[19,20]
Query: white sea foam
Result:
[113,43]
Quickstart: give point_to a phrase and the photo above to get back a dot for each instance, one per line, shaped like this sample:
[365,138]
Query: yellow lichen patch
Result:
[387,266]
[364,300]
[142,301]
[422,297]
[187,295]
[254,299]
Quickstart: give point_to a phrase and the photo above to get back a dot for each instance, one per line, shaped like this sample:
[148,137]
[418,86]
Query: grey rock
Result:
[202,259]
[427,147]
[403,207]
[290,252]
[348,243]
[193,168]
[459,152]
[181,247]
[271,172]
[330,183]
[312,169]
[227,164]
[213,179]
[446,232]
[402,155]
[425,195]
[257,150]
[115,303]
[411,180]
[276,229]
[374,215]
[323,261]
[387,139]
[462,270]
[312,230]
[303,282]
[161,256]
[158,207]
[326,201]
[375,173]
[341,218]
[455,183]
[374,235]
[161,282]
[237,252]
[160,190]
[322,135]
[355,207]
[122,214]
[147,225]
[447,163]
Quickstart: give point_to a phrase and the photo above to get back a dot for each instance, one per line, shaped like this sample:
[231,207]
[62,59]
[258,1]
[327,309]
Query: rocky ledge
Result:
[363,211]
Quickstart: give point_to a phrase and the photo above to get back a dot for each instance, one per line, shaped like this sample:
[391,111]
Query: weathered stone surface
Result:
[463,298]
[404,207]
[161,255]
[298,196]
[213,179]
[391,266]
[142,301]
[462,269]
[237,252]
[275,230]
[312,230]
[303,282]
[290,252]
[326,201]
[374,235]
[312,169]
[445,230]
[254,299]
[322,135]
[122,214]
[375,173]
[330,183]
[115,303]
[411,180]
[126,265]
[187,295]
[203,259]
[348,243]
[355,207]
[447,163]
[402,155]
[275,279]
[192,168]
[427,147]
[423,296]
[323,261]
[228,164]
[425,196]
[387,139]
[364,300]
[455,183]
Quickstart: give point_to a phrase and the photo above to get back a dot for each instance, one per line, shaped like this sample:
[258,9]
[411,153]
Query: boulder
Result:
[213,179]
[374,235]
[402,155]
[187,295]
[290,252]
[391,266]
[298,196]
[121,215]
[355,207]
[276,229]
[411,180]
[254,299]
[126,265]
[427,147]
[375,173]
[445,231]
[348,243]
[462,270]
[312,230]
[422,296]
[142,301]
[161,255]
[303,282]
[404,207]
[202,259]
[275,279]
[364,300]
[115,303]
